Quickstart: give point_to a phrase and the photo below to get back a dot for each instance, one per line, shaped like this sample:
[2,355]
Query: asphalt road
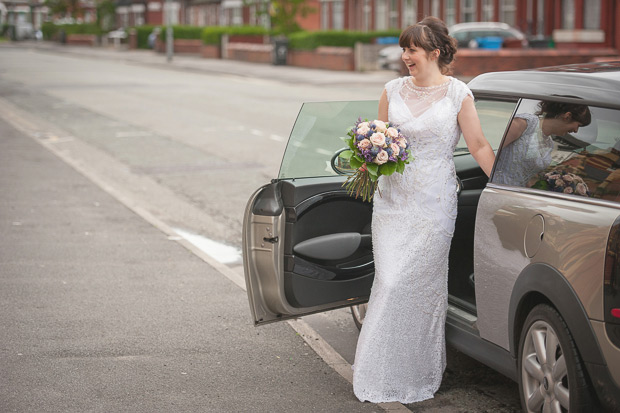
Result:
[186,145]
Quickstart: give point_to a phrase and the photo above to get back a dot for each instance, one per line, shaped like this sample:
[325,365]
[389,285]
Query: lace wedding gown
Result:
[401,349]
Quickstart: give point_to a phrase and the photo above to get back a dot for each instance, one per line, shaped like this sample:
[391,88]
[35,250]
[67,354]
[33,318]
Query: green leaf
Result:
[542,184]
[373,169]
[400,167]
[346,155]
[355,163]
[388,168]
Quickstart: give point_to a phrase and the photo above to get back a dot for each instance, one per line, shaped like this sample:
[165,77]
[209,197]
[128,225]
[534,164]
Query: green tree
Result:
[106,13]
[284,15]
[64,7]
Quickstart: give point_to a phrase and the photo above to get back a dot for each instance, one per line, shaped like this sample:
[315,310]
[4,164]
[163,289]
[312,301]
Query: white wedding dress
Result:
[400,354]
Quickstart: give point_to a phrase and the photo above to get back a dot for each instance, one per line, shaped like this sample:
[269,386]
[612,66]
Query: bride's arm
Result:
[477,144]
[383,107]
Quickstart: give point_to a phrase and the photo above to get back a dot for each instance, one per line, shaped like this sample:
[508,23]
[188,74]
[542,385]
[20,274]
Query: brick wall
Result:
[82,39]
[192,46]
[248,52]
[472,62]
[330,58]
[211,51]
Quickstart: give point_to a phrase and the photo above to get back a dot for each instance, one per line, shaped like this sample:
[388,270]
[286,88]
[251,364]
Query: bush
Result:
[142,34]
[213,34]
[182,32]
[312,40]
[50,30]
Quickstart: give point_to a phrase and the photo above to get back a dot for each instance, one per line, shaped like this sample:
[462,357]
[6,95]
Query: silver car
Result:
[534,280]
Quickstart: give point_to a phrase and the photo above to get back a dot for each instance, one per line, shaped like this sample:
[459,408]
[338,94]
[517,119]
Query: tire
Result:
[552,377]
[359,313]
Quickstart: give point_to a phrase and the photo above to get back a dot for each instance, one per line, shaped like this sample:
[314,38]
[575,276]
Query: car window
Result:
[542,152]
[315,138]
[494,117]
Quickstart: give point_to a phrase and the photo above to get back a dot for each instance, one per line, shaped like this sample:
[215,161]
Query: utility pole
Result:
[169,36]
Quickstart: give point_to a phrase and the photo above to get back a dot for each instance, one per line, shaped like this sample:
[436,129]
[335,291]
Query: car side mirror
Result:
[341,166]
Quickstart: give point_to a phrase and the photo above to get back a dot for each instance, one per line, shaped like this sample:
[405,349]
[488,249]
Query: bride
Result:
[401,349]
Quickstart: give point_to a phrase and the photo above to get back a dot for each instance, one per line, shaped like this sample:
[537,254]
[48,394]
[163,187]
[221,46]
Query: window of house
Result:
[544,153]
[435,7]
[338,15]
[394,14]
[409,12]
[592,15]
[568,14]
[450,13]
[236,16]
[381,15]
[366,16]
[507,10]
[488,10]
[468,10]
[540,17]
[324,15]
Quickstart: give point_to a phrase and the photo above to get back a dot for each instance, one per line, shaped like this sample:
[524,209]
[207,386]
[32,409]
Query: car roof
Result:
[595,84]
[479,25]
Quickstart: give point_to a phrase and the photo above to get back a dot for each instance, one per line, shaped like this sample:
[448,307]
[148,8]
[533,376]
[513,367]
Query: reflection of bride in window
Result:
[528,145]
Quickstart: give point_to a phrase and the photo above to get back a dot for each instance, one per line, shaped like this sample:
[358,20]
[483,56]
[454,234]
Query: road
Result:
[188,147]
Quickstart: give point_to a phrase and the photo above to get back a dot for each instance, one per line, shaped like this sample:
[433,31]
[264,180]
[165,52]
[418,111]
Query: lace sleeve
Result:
[392,87]
[460,92]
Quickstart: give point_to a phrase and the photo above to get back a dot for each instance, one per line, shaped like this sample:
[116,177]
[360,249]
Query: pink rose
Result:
[378,139]
[382,157]
[402,143]
[568,190]
[364,144]
[559,182]
[380,126]
[363,128]
[568,178]
[392,132]
[582,189]
[395,149]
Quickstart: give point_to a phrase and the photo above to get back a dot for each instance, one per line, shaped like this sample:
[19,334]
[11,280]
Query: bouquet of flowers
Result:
[376,149]
[562,181]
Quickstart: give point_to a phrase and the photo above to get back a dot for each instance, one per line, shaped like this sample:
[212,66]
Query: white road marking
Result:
[256,132]
[220,252]
[276,138]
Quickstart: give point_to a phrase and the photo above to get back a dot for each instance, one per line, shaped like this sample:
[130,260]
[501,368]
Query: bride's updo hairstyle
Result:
[431,34]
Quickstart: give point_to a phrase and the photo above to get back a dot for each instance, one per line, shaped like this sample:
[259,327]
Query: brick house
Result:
[571,23]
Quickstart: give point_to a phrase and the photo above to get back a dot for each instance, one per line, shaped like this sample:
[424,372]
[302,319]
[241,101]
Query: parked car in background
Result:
[534,271]
[470,34]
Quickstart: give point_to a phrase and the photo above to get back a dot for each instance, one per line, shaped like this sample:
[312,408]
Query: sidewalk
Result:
[287,74]
[102,312]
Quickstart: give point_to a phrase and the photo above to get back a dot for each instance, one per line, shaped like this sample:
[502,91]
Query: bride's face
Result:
[418,60]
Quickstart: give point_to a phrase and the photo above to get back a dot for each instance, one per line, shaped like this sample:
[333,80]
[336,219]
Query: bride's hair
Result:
[431,34]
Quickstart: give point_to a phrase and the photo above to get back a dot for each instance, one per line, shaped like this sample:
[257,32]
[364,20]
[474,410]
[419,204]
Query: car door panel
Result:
[315,255]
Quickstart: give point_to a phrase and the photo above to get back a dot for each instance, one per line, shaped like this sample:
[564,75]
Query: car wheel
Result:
[359,313]
[552,377]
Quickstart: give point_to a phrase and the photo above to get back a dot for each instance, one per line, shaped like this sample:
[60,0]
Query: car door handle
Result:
[272,240]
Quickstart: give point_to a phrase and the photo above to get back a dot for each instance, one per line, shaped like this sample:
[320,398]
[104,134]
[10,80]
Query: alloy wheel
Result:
[544,373]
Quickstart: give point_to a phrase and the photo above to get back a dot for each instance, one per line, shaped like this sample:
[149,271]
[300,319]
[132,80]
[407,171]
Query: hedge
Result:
[142,33]
[213,34]
[50,29]
[312,40]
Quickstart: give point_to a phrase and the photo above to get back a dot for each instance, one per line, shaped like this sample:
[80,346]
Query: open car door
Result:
[306,243]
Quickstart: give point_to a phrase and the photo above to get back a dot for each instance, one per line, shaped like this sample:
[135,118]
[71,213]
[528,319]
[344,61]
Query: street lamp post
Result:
[169,36]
